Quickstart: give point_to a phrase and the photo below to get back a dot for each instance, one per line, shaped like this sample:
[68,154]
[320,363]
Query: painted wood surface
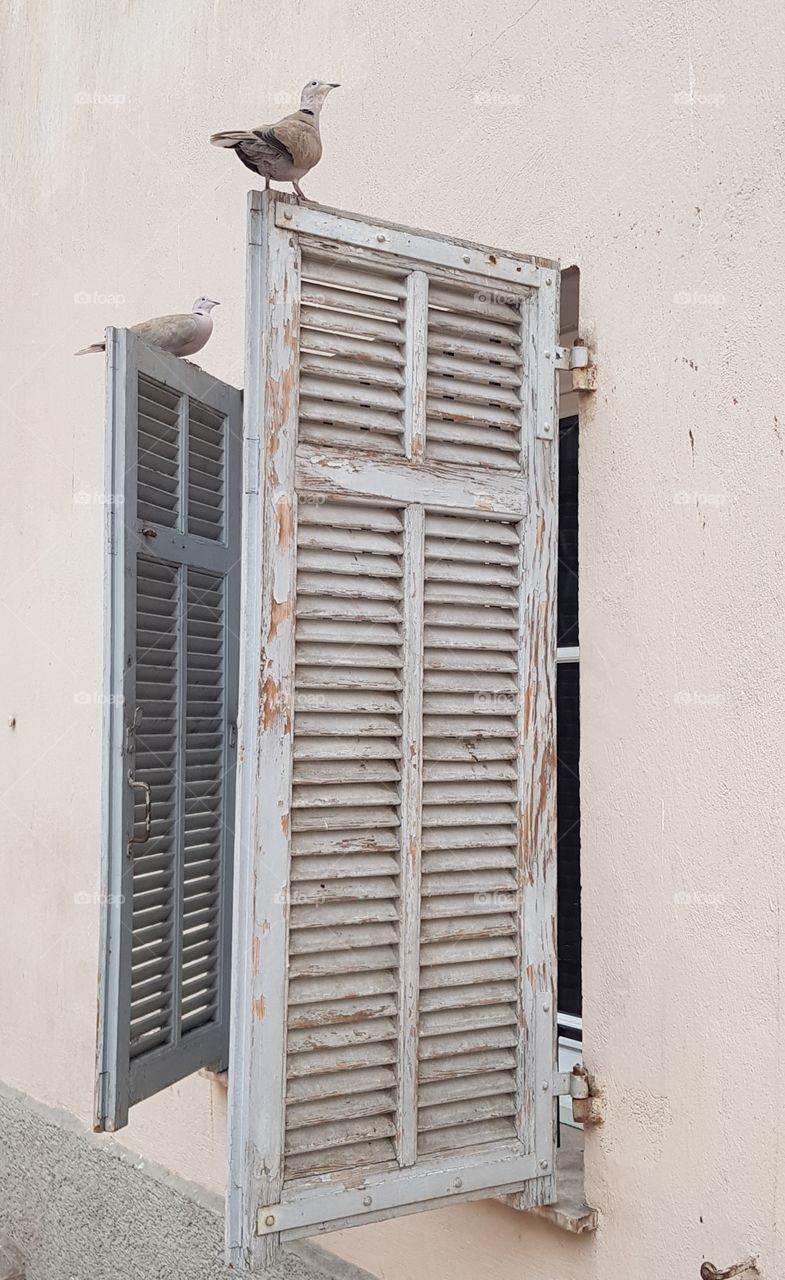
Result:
[172,604]
[396,1134]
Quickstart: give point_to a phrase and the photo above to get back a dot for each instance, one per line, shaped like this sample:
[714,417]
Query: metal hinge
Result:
[586,1099]
[577,359]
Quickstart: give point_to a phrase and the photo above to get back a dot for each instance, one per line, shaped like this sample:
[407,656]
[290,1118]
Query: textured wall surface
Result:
[644,144]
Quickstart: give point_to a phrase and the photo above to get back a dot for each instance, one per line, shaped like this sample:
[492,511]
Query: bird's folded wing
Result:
[297,136]
[263,147]
[168,332]
[270,140]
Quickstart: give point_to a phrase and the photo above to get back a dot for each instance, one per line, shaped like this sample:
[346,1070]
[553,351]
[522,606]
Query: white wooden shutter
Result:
[394,1019]
[172,608]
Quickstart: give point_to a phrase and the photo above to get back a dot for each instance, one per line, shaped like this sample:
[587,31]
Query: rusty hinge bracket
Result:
[586,1098]
[577,359]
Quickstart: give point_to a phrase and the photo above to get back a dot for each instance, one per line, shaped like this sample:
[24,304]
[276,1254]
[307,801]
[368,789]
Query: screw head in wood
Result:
[381,238]
[466,258]
[270,1220]
[287,213]
[543,1164]
[458,1183]
[549,279]
[367,1201]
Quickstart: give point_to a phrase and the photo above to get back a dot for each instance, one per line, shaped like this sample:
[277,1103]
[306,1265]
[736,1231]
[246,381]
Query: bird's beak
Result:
[215,304]
[335,86]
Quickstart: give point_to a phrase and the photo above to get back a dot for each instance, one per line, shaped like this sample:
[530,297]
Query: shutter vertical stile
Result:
[393,1030]
[171,687]
[538,739]
[411,830]
[262,897]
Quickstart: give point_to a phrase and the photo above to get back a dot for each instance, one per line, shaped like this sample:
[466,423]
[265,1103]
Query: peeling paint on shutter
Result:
[393,1022]
[171,678]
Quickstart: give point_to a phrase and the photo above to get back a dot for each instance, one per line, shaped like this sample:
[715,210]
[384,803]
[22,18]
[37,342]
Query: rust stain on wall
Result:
[258,1007]
[285,823]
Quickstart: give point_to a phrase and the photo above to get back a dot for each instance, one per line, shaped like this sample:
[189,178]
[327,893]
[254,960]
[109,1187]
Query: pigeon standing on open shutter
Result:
[285,151]
[181,335]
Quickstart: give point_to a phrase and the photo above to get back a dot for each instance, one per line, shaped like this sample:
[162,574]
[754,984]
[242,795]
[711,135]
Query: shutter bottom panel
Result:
[469,948]
[179,754]
[341,1097]
[155,860]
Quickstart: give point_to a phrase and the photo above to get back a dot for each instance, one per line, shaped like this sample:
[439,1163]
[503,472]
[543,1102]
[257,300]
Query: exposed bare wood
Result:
[433,484]
[416,349]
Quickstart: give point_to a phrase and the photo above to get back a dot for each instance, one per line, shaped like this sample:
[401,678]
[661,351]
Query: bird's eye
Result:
[314,83]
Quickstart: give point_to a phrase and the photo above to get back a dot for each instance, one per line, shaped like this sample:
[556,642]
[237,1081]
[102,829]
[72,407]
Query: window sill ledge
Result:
[569,1212]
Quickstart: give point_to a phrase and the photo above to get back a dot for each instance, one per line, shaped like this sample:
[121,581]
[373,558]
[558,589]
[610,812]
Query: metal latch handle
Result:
[148,812]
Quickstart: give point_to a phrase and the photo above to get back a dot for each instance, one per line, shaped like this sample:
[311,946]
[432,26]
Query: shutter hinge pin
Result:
[577,359]
[581,1088]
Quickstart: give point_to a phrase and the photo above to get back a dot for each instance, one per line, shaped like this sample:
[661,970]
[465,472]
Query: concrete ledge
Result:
[80,1209]
[570,1211]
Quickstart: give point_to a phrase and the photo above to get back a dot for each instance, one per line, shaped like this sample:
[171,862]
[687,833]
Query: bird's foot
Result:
[298,191]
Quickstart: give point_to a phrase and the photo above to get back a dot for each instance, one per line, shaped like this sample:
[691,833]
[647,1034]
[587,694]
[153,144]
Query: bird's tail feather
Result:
[97,346]
[230,138]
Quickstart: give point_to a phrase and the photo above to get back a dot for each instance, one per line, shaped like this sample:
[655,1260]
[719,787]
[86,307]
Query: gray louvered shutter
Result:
[394,1019]
[174,475]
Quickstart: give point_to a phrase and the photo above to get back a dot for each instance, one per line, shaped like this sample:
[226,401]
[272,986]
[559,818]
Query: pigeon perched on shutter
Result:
[182,335]
[286,151]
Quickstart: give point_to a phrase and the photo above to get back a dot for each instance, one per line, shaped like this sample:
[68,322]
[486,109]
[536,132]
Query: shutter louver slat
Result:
[206,471]
[352,357]
[345,843]
[475,376]
[158,479]
[153,918]
[469,960]
[204,774]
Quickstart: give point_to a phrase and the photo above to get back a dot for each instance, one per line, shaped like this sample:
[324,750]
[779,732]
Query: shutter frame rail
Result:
[265,1204]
